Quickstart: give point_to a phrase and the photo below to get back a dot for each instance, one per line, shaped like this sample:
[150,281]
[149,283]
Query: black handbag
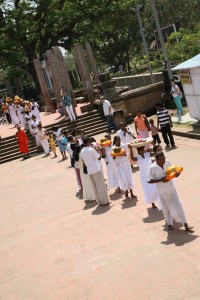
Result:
[85,169]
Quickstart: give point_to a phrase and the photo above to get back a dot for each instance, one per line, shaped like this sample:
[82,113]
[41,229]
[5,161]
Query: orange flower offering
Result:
[105,142]
[171,172]
[118,152]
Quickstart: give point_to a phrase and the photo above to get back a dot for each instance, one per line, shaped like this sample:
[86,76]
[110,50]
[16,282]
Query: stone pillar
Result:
[84,72]
[54,73]
[64,75]
[43,85]
[92,62]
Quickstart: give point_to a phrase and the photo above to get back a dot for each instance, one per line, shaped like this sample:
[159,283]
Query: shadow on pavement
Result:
[129,202]
[90,204]
[116,196]
[179,237]
[154,215]
[79,194]
[101,210]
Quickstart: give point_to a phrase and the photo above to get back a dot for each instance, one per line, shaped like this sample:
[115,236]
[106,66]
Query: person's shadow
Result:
[129,202]
[101,209]
[154,215]
[179,237]
[89,204]
[79,194]
[116,196]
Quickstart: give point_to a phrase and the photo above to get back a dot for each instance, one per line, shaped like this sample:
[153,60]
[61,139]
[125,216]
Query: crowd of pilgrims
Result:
[88,157]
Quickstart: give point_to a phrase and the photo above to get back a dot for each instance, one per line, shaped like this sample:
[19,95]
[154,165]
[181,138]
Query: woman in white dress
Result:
[150,193]
[19,113]
[88,192]
[41,133]
[124,168]
[13,115]
[112,171]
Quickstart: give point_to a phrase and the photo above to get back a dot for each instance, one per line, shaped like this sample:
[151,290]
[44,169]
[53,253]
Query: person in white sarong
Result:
[34,124]
[98,149]
[88,192]
[172,208]
[41,134]
[90,158]
[124,168]
[150,192]
[13,115]
[112,171]
[35,110]
[126,135]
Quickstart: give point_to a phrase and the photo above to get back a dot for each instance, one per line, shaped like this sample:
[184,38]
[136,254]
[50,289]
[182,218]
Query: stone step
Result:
[92,123]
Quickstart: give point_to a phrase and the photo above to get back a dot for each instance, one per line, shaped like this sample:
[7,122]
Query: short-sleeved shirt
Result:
[154,130]
[140,122]
[90,159]
[163,117]
[58,134]
[106,105]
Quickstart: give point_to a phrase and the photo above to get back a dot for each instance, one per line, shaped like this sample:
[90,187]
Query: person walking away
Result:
[76,156]
[108,112]
[67,101]
[52,143]
[171,205]
[28,118]
[90,158]
[150,193]
[141,125]
[177,95]
[124,168]
[165,122]
[112,171]
[154,132]
[22,142]
[41,133]
[59,136]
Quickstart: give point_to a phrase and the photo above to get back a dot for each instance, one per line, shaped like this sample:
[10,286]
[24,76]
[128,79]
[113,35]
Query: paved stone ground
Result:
[56,246]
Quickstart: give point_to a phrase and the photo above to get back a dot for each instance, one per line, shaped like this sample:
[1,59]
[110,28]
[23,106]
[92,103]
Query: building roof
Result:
[193,62]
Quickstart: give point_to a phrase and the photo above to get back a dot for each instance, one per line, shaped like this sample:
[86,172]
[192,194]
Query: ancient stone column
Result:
[43,85]
[54,73]
[92,62]
[64,75]
[84,72]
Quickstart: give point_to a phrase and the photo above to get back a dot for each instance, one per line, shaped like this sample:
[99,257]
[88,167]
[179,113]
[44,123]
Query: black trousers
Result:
[8,117]
[167,135]
[156,138]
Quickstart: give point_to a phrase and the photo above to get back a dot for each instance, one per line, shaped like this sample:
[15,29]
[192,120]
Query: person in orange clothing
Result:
[141,125]
[22,142]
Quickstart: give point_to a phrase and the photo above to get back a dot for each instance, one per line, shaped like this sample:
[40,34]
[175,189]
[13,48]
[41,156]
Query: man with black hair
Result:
[165,122]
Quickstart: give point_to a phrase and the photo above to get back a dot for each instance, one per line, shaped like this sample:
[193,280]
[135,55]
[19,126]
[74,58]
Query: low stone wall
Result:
[142,98]
[137,81]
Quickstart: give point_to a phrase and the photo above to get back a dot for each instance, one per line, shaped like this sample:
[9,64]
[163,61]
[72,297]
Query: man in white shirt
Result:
[108,112]
[34,123]
[90,158]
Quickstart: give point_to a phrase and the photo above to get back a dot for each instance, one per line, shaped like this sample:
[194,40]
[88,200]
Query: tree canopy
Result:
[28,28]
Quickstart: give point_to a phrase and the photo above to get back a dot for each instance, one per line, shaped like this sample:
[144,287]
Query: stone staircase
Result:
[92,123]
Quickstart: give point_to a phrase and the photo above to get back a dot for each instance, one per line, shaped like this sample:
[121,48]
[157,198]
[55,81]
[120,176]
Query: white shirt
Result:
[155,173]
[126,137]
[106,105]
[90,159]
[58,134]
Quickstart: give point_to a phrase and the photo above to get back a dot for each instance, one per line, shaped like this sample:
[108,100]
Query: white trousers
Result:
[99,187]
[70,112]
